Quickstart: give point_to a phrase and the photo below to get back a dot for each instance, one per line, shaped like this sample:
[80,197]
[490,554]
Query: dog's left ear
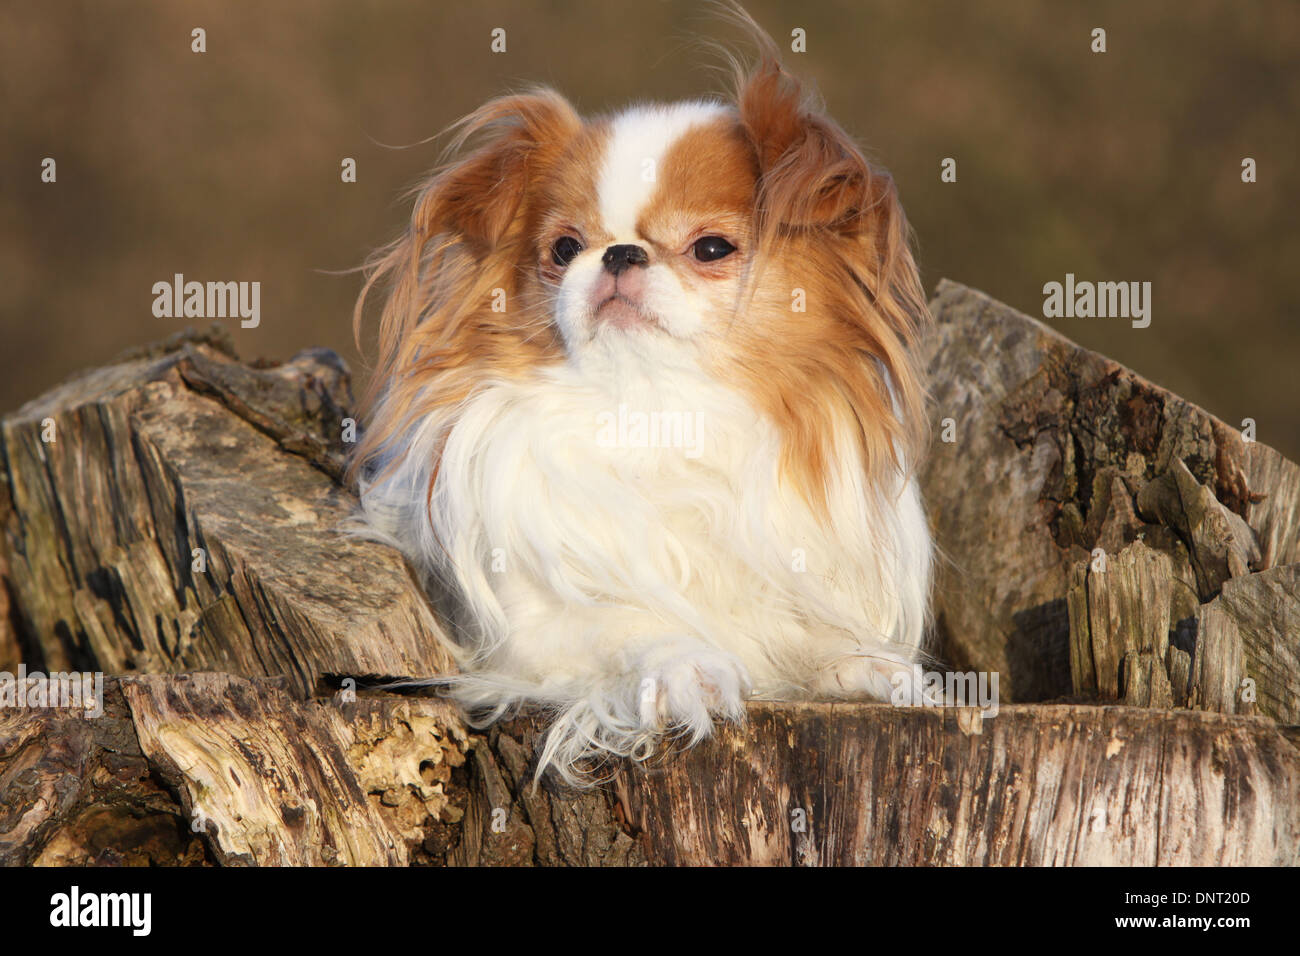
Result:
[813,180]
[811,174]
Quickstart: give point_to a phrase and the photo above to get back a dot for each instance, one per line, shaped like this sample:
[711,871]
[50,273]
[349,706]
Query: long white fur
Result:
[638,592]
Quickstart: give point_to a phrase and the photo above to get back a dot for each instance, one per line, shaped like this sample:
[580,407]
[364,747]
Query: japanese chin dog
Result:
[647,414]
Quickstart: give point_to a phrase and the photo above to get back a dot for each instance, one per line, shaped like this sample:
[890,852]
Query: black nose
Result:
[618,258]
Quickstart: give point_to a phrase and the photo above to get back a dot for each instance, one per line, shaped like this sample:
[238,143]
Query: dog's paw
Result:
[687,691]
[895,681]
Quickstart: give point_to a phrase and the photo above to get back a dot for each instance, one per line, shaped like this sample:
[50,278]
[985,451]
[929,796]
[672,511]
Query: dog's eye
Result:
[711,248]
[565,250]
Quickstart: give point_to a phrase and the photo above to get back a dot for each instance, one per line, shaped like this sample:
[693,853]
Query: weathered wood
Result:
[200,768]
[1045,785]
[10,648]
[1056,452]
[1241,652]
[1120,607]
[511,822]
[267,779]
[871,784]
[184,516]
[1060,454]
[281,783]
[79,791]
[1248,646]
[1219,543]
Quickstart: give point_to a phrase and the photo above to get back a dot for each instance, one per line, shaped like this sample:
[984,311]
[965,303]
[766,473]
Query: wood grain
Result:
[104,523]
[1060,455]
[1058,451]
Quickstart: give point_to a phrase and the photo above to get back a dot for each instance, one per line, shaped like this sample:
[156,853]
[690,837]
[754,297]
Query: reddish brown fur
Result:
[827,222]
[469,235]
[780,180]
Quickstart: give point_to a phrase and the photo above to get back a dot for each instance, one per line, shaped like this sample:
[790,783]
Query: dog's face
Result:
[654,237]
[748,239]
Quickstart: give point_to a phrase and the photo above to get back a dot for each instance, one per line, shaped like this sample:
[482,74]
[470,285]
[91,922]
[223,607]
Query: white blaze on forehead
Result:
[638,140]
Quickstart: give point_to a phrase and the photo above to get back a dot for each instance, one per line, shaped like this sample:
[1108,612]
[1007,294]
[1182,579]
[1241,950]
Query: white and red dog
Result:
[732,271]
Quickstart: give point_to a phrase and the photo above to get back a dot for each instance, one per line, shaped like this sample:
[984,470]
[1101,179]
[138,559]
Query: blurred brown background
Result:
[225,165]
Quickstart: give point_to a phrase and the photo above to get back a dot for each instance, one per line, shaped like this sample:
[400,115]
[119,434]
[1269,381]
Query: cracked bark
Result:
[1061,454]
[185,518]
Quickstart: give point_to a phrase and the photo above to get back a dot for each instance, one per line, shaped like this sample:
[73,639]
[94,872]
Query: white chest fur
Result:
[570,513]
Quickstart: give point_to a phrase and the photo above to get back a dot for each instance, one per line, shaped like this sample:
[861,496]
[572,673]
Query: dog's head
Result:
[747,238]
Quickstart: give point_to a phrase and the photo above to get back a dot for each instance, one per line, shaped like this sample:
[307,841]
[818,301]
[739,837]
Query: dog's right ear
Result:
[454,247]
[478,198]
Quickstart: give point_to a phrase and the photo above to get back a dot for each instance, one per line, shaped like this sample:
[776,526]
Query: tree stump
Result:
[179,510]
[173,520]
[1048,454]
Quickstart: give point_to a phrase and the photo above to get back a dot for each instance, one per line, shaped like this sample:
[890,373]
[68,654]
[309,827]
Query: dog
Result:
[647,414]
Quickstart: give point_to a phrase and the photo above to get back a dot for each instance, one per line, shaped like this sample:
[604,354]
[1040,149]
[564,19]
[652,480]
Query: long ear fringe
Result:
[427,272]
[900,299]
[814,158]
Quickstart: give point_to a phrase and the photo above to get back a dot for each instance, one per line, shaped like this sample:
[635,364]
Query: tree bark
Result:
[266,779]
[179,510]
[173,520]
[1048,454]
